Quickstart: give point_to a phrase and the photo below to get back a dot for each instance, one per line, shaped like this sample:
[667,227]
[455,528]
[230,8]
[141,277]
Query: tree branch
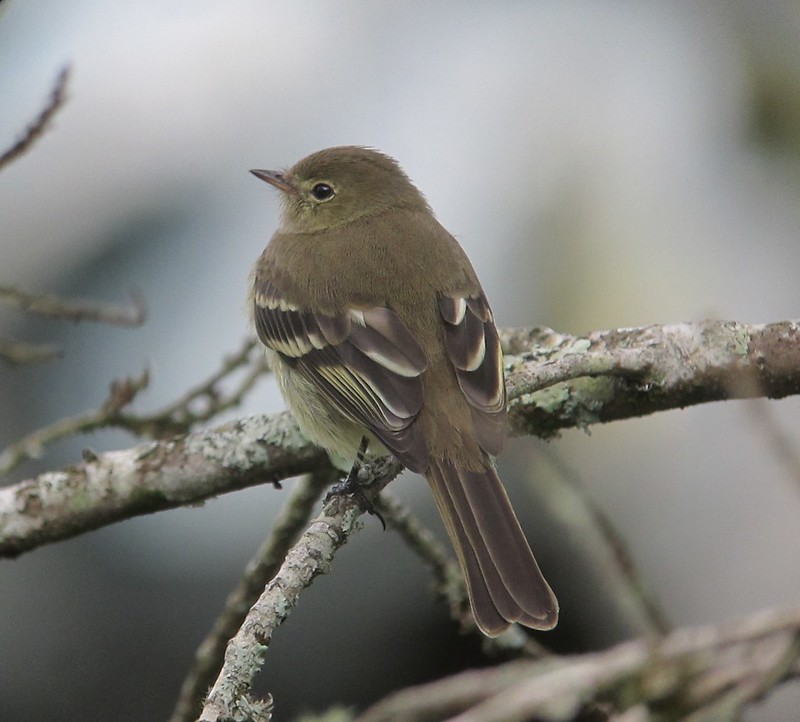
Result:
[152,477]
[229,699]
[601,546]
[611,375]
[50,306]
[689,670]
[290,523]
[121,393]
[784,446]
[554,381]
[18,353]
[631,372]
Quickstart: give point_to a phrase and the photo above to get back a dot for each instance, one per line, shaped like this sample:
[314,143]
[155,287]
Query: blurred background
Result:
[604,165]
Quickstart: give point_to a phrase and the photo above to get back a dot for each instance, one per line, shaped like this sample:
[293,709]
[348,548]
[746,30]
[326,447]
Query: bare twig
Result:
[449,582]
[39,125]
[19,352]
[688,671]
[599,544]
[204,401]
[32,446]
[784,445]
[197,405]
[288,526]
[312,555]
[132,314]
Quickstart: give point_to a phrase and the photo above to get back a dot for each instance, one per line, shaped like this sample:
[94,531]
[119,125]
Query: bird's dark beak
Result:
[275,178]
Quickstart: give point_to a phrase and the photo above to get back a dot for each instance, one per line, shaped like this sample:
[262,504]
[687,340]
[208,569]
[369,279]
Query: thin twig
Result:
[32,446]
[262,567]
[182,415]
[39,125]
[784,445]
[601,546]
[449,581]
[176,418]
[51,306]
[20,352]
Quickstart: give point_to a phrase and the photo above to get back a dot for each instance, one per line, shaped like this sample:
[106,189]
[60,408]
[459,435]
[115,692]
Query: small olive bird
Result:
[381,338]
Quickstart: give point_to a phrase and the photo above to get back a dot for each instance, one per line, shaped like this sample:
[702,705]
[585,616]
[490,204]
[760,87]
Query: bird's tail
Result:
[504,581]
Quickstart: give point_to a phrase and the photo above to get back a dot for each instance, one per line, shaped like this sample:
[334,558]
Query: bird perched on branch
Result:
[383,341]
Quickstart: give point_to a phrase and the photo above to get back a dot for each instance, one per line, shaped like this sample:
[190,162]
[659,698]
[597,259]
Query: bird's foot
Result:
[353,486]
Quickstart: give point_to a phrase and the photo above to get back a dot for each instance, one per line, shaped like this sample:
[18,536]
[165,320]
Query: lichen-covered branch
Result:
[151,477]
[229,699]
[554,382]
[290,522]
[705,668]
[560,381]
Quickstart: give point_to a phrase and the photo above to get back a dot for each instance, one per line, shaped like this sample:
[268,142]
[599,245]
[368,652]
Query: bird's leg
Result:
[352,477]
[351,485]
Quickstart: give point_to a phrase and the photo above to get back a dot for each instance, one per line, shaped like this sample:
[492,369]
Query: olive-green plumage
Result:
[377,327]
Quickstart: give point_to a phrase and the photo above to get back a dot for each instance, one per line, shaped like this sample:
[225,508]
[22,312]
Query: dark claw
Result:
[352,485]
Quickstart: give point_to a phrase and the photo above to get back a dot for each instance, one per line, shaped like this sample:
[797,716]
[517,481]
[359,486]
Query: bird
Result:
[383,342]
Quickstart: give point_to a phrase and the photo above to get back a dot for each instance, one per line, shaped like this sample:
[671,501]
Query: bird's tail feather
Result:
[504,581]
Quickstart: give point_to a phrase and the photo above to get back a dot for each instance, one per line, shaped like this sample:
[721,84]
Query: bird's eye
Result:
[322,192]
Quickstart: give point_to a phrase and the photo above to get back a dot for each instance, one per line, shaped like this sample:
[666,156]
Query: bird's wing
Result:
[365,362]
[473,348]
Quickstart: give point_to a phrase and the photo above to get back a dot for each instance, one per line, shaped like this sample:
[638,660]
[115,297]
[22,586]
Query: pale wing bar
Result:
[473,348]
[366,362]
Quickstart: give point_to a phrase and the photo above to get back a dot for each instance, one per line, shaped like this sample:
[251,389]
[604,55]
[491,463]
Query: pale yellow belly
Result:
[339,435]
